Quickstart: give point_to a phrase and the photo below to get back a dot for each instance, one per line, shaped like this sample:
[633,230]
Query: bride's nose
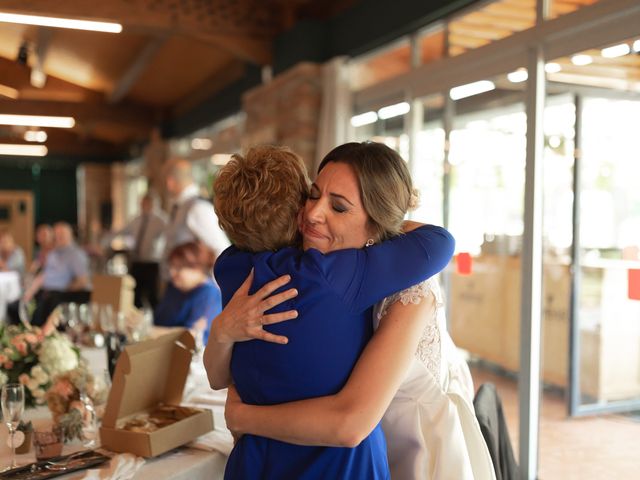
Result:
[315,211]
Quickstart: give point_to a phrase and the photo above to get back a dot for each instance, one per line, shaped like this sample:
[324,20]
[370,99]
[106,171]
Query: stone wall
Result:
[286,111]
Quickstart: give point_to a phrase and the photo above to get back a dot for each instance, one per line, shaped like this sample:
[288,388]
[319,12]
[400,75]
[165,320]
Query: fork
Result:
[66,460]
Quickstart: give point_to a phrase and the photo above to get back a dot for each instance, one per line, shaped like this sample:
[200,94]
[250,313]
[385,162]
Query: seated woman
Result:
[45,243]
[191,299]
[11,255]
[338,284]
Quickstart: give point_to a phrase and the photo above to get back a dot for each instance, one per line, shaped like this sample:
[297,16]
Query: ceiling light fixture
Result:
[636,46]
[364,119]
[201,144]
[8,92]
[552,67]
[37,121]
[616,51]
[394,110]
[581,60]
[520,75]
[220,158]
[35,136]
[41,21]
[471,89]
[23,150]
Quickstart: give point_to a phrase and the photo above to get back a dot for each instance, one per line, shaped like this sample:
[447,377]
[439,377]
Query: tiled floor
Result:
[597,447]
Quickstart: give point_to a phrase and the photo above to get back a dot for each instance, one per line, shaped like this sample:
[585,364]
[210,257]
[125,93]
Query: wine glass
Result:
[106,318]
[12,399]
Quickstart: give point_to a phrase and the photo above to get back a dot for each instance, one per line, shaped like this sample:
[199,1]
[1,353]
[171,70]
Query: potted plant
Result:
[27,431]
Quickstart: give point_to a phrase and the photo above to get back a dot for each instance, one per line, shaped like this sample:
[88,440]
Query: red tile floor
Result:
[597,447]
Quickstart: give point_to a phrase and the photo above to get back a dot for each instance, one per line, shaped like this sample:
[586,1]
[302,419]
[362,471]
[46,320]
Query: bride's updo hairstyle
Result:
[385,184]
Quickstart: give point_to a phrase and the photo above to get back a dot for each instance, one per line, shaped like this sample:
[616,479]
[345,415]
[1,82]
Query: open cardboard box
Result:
[149,374]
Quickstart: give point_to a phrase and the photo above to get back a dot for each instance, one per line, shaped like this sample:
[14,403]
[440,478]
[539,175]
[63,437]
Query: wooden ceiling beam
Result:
[17,76]
[510,11]
[483,18]
[243,28]
[77,148]
[82,112]
[481,31]
[130,77]
[466,41]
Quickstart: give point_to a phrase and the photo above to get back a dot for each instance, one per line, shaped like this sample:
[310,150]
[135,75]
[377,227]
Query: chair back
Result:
[493,425]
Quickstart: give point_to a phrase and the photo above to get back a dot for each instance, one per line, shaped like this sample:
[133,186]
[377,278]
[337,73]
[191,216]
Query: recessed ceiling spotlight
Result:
[616,51]
[581,60]
[552,67]
[518,76]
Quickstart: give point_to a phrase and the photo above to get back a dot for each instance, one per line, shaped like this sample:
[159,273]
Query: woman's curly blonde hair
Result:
[257,198]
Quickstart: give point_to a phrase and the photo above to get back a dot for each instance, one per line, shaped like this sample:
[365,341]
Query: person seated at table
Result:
[191,299]
[45,242]
[64,278]
[11,255]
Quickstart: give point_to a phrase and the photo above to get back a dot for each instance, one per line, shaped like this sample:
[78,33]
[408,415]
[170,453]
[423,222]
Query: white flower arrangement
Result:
[57,355]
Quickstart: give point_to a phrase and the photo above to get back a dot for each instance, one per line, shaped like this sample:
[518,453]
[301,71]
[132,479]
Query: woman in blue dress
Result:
[191,299]
[359,198]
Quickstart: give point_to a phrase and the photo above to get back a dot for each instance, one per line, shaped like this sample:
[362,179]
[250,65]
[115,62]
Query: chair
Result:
[490,415]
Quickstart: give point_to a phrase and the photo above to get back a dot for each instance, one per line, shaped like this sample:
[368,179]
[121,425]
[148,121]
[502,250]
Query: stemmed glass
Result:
[12,407]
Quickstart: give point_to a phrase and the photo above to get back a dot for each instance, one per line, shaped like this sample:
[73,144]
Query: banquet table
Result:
[9,291]
[205,458]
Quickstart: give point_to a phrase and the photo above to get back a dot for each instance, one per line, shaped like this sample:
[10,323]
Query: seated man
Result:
[64,278]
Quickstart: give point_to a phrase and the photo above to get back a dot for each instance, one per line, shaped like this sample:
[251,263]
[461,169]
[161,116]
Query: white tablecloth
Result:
[9,291]
[207,462]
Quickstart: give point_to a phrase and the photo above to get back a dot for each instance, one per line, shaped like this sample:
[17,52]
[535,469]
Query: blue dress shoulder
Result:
[334,304]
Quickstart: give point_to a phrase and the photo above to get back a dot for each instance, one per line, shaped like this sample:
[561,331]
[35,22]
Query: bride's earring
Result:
[369,242]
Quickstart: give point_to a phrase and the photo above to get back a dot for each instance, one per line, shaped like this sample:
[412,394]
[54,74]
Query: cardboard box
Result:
[149,374]
[114,290]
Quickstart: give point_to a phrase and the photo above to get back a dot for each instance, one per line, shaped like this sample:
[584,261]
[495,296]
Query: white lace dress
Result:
[431,429]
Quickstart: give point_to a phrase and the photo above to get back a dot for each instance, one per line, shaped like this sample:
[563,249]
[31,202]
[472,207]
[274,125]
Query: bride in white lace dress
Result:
[410,372]
[430,425]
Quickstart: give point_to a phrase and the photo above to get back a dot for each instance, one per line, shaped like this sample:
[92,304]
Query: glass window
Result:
[428,164]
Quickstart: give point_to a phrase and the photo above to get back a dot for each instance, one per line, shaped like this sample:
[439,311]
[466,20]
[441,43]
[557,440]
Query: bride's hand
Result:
[231,407]
[243,317]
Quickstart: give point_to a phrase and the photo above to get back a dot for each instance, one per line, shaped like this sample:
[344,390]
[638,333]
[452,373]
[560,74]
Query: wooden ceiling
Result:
[170,56]
[493,21]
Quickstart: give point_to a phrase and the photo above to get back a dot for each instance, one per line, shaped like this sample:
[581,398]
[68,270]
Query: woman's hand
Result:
[243,317]
[231,410]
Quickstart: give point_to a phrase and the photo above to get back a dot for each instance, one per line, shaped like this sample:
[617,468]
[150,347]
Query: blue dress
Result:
[336,293]
[184,309]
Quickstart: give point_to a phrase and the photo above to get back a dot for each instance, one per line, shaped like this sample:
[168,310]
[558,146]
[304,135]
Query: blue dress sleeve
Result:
[230,270]
[365,276]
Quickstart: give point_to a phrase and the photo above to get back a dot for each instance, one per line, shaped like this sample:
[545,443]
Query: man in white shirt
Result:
[146,232]
[192,217]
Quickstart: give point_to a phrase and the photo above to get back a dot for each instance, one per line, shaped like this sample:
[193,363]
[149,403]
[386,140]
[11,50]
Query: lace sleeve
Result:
[429,347]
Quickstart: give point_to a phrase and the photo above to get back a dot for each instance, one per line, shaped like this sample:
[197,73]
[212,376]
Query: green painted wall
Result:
[54,190]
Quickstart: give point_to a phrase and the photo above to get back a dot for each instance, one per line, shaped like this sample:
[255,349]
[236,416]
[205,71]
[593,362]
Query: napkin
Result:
[216,440]
[121,467]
